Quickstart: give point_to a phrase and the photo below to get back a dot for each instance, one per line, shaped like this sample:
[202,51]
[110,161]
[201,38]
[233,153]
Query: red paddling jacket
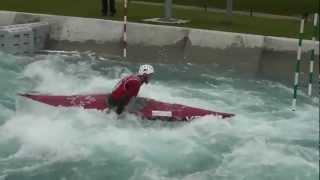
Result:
[127,88]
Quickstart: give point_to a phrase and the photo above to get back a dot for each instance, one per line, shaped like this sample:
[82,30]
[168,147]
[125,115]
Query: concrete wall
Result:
[269,57]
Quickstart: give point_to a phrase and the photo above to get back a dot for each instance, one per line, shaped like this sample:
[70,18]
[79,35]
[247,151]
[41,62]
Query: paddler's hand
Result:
[119,109]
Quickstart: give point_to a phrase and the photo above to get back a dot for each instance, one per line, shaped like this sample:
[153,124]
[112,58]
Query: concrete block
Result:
[23,38]
[18,40]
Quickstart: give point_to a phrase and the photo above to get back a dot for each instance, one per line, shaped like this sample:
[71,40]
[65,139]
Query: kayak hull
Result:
[143,107]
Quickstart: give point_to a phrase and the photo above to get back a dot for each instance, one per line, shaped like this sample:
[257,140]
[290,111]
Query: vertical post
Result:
[229,7]
[312,58]
[297,71]
[168,9]
[205,6]
[109,8]
[125,43]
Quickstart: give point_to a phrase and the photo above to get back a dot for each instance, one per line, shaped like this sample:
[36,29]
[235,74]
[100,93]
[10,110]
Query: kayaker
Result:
[129,87]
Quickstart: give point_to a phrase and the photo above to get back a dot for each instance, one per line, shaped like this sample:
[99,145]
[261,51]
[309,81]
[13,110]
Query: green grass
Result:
[199,19]
[282,7]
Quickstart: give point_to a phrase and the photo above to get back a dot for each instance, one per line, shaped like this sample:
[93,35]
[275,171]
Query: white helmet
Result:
[146,69]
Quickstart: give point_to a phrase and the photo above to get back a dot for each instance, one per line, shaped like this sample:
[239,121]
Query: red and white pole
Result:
[125,37]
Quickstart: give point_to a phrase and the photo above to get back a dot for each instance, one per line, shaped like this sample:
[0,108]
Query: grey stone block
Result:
[23,38]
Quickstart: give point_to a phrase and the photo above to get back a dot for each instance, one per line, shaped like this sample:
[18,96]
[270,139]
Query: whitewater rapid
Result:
[265,140]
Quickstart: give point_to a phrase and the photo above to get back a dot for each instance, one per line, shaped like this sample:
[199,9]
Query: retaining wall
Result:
[269,57]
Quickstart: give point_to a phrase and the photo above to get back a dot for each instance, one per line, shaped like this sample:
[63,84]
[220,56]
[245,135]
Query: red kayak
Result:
[143,107]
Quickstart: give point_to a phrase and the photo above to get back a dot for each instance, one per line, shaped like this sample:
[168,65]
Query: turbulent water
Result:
[265,140]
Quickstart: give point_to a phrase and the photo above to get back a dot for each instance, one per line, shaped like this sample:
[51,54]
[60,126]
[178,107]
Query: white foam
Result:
[49,134]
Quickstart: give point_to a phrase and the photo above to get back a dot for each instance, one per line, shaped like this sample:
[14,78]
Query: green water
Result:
[265,140]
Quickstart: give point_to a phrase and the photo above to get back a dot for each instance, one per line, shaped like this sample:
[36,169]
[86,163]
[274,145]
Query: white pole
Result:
[297,71]
[125,20]
[311,65]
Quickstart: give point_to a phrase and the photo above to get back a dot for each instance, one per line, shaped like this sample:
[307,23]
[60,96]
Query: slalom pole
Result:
[125,38]
[297,71]
[312,58]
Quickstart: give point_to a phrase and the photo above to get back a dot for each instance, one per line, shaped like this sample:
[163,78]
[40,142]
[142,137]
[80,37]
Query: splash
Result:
[265,140]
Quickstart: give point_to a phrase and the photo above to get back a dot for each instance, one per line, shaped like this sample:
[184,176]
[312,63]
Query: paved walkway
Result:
[255,14]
